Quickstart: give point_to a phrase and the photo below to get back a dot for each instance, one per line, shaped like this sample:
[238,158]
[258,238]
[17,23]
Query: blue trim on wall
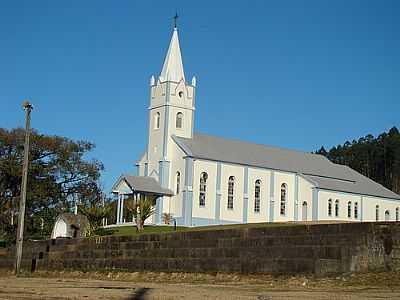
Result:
[296,197]
[193,104]
[188,192]
[164,167]
[315,204]
[146,169]
[361,208]
[272,196]
[218,194]
[166,120]
[246,194]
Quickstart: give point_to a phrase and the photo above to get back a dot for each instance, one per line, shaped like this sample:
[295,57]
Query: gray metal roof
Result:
[145,184]
[316,168]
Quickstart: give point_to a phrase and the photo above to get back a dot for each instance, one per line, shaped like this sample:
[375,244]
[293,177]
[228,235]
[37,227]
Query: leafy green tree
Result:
[375,157]
[95,215]
[59,174]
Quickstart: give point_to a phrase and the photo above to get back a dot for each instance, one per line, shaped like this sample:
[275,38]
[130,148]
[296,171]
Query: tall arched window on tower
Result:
[330,207]
[337,208]
[377,213]
[157,118]
[203,189]
[283,199]
[178,182]
[349,209]
[231,186]
[257,195]
[179,120]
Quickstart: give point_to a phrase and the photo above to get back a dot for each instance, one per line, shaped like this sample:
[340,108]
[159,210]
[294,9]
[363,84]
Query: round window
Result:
[180,94]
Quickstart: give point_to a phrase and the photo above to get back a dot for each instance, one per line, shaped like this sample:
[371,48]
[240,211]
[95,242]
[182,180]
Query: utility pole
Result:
[21,216]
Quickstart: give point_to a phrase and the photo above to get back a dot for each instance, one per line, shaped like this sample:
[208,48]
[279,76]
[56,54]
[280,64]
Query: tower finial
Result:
[175,19]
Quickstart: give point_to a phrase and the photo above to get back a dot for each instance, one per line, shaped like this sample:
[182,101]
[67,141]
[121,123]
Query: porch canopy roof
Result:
[128,184]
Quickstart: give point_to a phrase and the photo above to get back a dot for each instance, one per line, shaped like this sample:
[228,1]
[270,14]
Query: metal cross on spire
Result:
[175,19]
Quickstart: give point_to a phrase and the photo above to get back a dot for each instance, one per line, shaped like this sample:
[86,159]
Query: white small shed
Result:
[69,225]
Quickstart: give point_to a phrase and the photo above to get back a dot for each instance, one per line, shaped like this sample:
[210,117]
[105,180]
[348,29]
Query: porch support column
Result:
[122,209]
[117,219]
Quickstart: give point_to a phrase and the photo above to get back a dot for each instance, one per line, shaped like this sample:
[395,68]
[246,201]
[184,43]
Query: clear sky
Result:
[295,74]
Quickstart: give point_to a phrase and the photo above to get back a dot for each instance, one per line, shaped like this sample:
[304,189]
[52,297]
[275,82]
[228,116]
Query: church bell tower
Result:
[171,111]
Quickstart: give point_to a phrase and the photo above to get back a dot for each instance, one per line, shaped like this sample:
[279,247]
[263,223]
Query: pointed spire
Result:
[173,66]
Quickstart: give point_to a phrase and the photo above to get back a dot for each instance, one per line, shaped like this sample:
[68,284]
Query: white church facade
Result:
[206,180]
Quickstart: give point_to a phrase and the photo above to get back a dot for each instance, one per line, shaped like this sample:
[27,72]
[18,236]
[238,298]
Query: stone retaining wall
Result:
[319,249]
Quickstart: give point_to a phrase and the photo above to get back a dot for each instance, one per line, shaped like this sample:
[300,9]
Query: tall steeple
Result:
[173,66]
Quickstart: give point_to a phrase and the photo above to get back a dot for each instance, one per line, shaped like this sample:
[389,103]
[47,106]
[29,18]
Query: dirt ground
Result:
[131,286]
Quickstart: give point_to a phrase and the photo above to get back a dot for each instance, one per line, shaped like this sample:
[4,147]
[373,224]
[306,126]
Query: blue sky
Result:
[295,74]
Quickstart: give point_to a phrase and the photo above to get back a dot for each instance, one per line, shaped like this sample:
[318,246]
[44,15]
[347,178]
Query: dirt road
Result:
[130,286]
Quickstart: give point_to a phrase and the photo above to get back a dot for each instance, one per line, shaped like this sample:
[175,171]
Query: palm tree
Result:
[142,208]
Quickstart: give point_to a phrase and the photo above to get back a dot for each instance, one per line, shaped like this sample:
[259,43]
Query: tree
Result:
[95,215]
[142,209]
[377,158]
[58,174]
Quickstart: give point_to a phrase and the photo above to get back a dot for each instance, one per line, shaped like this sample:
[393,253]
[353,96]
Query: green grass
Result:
[131,230]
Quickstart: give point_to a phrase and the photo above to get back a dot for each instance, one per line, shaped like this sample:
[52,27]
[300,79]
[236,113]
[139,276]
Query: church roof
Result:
[316,168]
[173,66]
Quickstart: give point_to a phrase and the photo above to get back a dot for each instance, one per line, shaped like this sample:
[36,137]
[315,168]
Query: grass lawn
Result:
[131,230]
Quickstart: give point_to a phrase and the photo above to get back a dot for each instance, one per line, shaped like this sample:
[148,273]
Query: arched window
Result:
[337,208]
[330,207]
[178,182]
[179,120]
[387,215]
[231,185]
[356,210]
[397,214]
[203,189]
[349,209]
[304,211]
[377,213]
[157,118]
[283,199]
[257,195]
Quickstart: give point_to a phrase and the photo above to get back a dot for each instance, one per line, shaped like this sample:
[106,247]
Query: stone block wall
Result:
[318,248]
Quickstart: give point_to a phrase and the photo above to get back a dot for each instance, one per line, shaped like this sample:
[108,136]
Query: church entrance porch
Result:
[130,191]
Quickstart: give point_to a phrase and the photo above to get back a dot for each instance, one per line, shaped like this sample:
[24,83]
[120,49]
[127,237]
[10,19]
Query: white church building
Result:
[202,179]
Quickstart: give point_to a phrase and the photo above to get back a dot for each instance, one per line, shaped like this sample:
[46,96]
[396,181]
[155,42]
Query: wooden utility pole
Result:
[21,216]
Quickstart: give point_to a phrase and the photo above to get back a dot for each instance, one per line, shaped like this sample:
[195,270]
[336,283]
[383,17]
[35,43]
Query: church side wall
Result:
[264,214]
[344,198]
[369,208]
[241,214]
[235,214]
[366,207]
[289,180]
[204,213]
[304,195]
